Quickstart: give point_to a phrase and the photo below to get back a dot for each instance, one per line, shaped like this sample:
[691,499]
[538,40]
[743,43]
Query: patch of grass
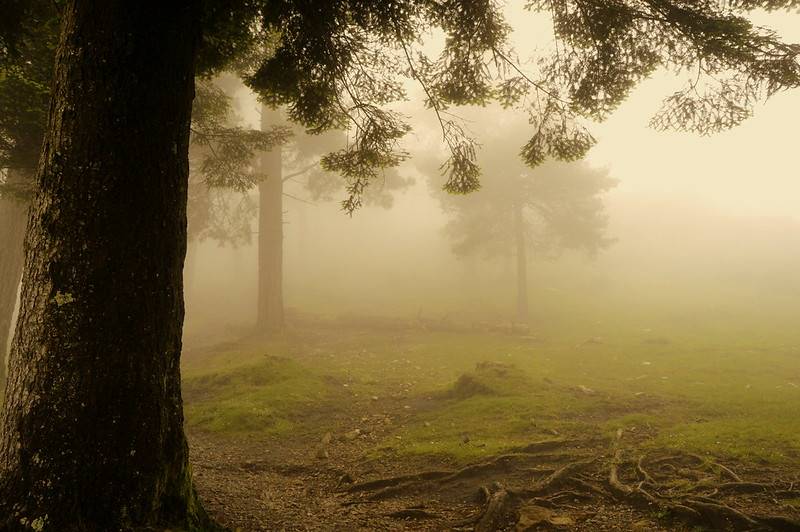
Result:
[263,397]
[723,389]
[793,502]
[767,439]
[481,425]
[487,410]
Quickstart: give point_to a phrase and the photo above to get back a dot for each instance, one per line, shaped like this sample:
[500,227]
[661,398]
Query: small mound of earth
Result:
[488,378]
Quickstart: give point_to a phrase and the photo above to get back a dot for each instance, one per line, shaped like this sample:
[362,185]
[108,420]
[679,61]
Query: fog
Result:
[692,217]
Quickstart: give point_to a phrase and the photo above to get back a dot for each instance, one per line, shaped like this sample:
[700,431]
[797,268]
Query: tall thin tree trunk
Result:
[13,219]
[91,432]
[270,235]
[522,264]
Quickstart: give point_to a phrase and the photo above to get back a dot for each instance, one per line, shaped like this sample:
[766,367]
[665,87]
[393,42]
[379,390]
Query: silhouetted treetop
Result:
[605,48]
[342,64]
[228,150]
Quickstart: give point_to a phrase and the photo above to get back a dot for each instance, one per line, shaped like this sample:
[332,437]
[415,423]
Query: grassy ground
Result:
[720,389]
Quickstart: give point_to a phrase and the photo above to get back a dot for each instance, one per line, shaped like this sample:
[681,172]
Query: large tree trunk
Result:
[92,427]
[13,218]
[522,264]
[270,235]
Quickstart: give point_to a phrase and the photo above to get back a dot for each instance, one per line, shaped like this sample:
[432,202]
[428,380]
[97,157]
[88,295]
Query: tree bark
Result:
[91,432]
[270,317]
[13,219]
[522,264]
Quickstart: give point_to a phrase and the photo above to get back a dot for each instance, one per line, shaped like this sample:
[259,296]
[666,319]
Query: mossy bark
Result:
[92,427]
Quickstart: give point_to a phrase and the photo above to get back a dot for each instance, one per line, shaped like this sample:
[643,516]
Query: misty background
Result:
[704,228]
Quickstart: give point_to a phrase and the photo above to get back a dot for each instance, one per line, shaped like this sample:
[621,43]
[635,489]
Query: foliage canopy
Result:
[342,64]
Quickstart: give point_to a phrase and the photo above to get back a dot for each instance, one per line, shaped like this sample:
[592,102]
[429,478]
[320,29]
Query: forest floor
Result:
[341,426]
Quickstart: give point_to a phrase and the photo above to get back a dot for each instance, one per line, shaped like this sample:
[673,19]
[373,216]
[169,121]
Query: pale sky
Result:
[751,170]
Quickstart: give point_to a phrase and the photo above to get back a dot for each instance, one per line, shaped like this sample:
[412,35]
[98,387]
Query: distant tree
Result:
[222,168]
[294,171]
[94,363]
[269,302]
[519,211]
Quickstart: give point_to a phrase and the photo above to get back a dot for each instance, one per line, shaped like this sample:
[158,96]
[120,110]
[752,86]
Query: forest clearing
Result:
[337,426]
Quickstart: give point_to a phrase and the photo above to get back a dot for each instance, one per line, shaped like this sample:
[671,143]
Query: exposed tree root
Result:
[412,514]
[695,508]
[500,511]
[571,482]
[393,486]
[558,478]
[381,483]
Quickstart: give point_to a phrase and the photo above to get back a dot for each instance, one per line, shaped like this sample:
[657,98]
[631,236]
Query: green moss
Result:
[264,397]
[707,389]
[463,430]
[771,438]
[487,410]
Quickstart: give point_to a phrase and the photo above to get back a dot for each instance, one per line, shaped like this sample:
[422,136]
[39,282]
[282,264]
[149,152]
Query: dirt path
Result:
[299,482]
[254,487]
[572,485]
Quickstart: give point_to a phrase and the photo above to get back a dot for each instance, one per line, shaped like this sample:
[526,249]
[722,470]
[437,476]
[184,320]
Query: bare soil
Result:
[585,484]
